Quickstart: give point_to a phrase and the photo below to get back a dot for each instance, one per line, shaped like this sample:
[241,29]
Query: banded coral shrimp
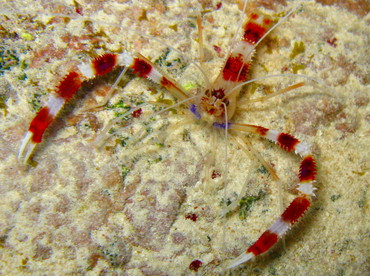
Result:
[107,246]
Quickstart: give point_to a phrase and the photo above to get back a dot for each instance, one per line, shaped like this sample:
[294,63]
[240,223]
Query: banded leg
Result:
[68,87]
[296,209]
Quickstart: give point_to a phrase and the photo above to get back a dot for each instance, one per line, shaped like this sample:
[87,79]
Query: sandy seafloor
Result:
[124,210]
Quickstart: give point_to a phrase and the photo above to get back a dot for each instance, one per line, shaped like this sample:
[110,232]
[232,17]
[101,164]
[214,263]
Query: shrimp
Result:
[214,105]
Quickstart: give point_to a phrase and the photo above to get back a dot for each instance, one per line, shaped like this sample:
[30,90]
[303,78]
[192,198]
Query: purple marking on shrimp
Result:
[222,125]
[193,109]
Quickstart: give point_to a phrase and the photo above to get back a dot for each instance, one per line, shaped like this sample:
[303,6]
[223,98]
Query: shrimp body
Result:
[236,70]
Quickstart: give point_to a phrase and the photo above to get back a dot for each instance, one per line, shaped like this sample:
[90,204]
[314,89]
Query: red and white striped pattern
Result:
[64,92]
[296,209]
[236,69]
[237,65]
[72,82]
